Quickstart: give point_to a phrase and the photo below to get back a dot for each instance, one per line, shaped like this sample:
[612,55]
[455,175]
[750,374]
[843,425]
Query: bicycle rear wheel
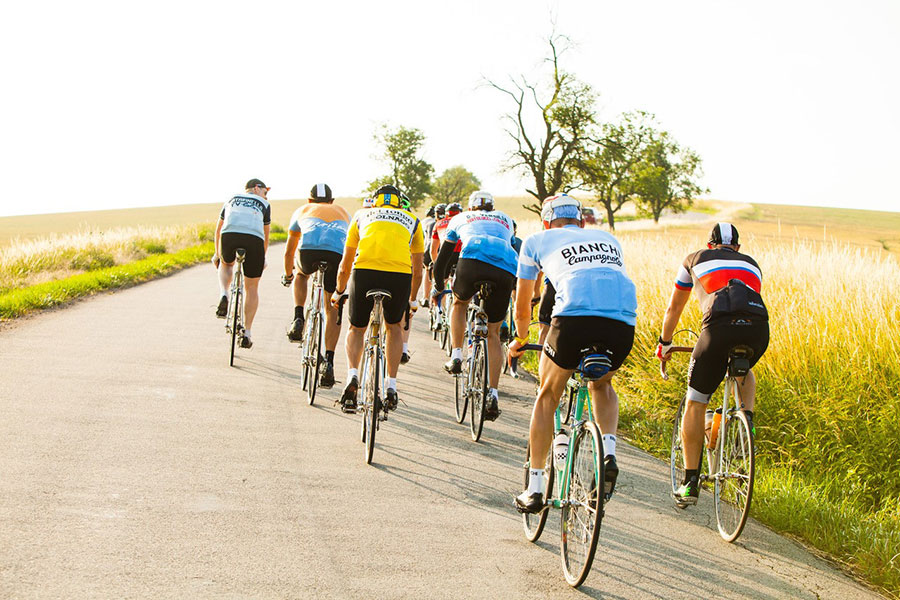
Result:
[676,457]
[462,399]
[372,404]
[534,524]
[479,389]
[314,357]
[235,324]
[582,507]
[434,322]
[734,481]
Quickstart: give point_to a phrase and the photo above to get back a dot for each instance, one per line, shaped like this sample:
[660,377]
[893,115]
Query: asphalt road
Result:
[135,463]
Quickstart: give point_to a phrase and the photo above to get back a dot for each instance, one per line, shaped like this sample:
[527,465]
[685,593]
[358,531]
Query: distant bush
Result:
[276,228]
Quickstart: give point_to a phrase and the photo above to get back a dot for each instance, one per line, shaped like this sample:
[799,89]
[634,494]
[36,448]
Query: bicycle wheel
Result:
[534,524]
[734,481]
[372,404]
[434,322]
[676,457]
[479,389]
[582,508]
[235,324]
[314,357]
[462,399]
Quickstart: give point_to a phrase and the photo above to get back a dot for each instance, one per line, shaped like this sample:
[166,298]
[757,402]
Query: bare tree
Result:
[548,153]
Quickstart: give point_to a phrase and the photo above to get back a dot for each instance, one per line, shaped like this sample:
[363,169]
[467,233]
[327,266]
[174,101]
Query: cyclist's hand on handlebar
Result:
[515,348]
[434,295]
[663,350]
[535,301]
[336,297]
[413,305]
[287,279]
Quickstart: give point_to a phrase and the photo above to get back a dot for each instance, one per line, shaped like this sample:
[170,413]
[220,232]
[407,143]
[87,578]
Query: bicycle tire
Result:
[734,481]
[676,454]
[533,524]
[582,509]
[372,405]
[236,298]
[462,399]
[433,323]
[479,387]
[314,362]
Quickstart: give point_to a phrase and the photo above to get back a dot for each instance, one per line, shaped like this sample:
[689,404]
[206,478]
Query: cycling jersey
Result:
[439,232]
[246,213]
[385,239]
[587,270]
[708,271]
[322,226]
[486,235]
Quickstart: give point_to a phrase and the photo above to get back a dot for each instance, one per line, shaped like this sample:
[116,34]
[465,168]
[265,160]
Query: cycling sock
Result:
[494,393]
[298,312]
[456,354]
[351,373]
[329,357]
[391,383]
[535,481]
[406,347]
[609,445]
[691,474]
[247,333]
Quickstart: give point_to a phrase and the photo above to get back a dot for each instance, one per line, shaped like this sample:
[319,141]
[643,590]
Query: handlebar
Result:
[340,308]
[672,350]
[514,360]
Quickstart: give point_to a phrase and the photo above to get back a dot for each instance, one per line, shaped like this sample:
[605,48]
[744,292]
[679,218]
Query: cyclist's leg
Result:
[354,347]
[399,285]
[393,349]
[332,329]
[494,356]
[458,322]
[553,380]
[605,404]
[299,288]
[329,284]
[747,391]
[251,300]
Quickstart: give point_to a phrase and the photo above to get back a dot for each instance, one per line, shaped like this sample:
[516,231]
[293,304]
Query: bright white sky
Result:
[117,104]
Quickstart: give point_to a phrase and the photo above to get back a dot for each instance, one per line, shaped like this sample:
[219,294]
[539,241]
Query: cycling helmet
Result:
[430,212]
[387,195]
[440,210]
[454,208]
[320,193]
[405,204]
[562,206]
[481,201]
[725,234]
[368,202]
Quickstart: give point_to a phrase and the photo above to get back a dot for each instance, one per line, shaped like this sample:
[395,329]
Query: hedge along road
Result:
[136,463]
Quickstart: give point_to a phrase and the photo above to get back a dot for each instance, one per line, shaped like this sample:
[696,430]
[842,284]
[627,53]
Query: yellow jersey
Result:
[385,239]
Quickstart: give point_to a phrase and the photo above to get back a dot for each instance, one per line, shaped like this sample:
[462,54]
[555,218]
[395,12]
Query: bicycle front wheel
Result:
[462,399]
[582,506]
[734,481]
[314,357]
[479,389]
[534,524]
[372,403]
[676,457]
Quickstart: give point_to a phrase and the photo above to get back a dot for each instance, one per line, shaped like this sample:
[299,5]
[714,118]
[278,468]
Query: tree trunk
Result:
[610,217]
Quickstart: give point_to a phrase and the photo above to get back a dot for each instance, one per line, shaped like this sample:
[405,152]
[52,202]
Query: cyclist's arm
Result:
[290,248]
[218,236]
[435,248]
[676,306]
[440,264]
[417,262]
[522,314]
[343,276]
[266,241]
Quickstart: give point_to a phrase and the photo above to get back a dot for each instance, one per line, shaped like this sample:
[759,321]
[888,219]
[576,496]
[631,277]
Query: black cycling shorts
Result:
[255,246]
[470,271]
[570,338]
[709,360]
[548,300]
[308,260]
[363,280]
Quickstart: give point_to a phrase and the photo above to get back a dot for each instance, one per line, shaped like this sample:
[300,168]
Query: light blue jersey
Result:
[246,213]
[323,226]
[586,269]
[486,236]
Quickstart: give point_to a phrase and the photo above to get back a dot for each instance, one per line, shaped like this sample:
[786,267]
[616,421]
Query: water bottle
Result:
[713,420]
[560,450]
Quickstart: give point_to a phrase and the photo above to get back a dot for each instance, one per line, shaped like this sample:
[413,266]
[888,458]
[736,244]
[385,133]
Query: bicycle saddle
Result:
[384,293]
[594,366]
[484,288]
[321,265]
[240,252]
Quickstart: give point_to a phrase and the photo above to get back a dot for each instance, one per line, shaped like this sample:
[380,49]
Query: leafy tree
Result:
[664,178]
[454,185]
[408,170]
[607,168]
[547,153]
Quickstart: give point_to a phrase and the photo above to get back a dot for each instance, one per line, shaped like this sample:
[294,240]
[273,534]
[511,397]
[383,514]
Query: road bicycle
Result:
[234,320]
[439,319]
[730,454]
[507,334]
[311,347]
[581,491]
[471,385]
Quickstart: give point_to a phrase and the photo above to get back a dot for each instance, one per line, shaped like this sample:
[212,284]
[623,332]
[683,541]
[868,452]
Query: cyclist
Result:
[243,223]
[384,250]
[727,284]
[320,228]
[427,225]
[595,311]
[439,232]
[486,254]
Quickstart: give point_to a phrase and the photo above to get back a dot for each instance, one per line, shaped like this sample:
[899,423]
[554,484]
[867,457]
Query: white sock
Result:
[351,373]
[535,481]
[609,445]
[456,353]
[406,347]
[247,333]
[494,393]
[391,383]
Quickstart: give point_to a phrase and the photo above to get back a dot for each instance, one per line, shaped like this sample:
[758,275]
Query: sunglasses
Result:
[268,189]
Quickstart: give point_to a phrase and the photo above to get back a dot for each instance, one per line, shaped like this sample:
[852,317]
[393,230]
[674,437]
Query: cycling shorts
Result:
[307,262]
[709,359]
[426,259]
[363,280]
[570,338]
[470,271]
[255,258]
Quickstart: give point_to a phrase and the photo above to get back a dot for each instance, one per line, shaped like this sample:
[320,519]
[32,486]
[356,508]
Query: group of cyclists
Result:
[588,303]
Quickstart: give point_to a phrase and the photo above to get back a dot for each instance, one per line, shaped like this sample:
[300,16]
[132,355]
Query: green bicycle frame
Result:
[582,400]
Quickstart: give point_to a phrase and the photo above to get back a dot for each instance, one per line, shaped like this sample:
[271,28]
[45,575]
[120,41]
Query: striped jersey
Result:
[385,239]
[246,213]
[708,271]
[322,226]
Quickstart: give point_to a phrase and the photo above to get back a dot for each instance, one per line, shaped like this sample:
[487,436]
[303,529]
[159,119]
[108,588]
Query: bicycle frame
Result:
[374,343]
[582,400]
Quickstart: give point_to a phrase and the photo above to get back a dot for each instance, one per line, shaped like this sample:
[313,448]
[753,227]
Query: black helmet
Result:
[430,212]
[440,210]
[454,207]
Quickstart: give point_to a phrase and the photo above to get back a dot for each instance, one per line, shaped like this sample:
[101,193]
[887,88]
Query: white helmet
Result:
[482,200]
[556,207]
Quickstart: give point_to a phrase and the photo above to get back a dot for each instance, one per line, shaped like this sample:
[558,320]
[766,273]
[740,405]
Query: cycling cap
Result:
[253,183]
[440,210]
[562,206]
[320,193]
[482,200]
[368,202]
[388,195]
[454,208]
[724,233]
